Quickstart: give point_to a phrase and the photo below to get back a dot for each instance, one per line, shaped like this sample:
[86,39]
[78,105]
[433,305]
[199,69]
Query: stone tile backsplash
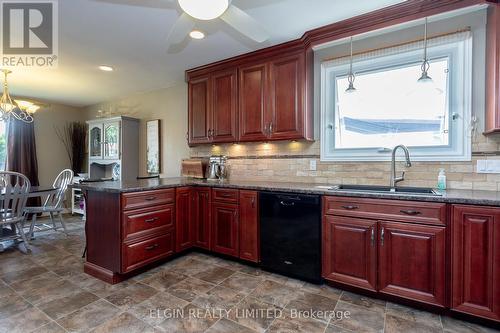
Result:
[289,161]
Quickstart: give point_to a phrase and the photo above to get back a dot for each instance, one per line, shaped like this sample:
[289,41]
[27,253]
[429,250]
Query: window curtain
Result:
[449,38]
[21,153]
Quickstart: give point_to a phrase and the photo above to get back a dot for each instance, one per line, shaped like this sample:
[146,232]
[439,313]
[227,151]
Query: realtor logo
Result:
[29,33]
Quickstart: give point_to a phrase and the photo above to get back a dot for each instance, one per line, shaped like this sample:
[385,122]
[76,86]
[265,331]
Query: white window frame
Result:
[459,53]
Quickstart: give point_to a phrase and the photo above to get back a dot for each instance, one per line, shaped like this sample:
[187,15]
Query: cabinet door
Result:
[199,110]
[286,97]
[224,87]
[350,251]
[95,141]
[476,261]
[183,221]
[201,217]
[249,226]
[112,140]
[412,261]
[225,229]
[252,103]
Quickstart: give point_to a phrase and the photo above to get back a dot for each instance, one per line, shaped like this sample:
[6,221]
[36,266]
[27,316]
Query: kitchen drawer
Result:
[378,209]
[147,251]
[225,195]
[141,222]
[137,200]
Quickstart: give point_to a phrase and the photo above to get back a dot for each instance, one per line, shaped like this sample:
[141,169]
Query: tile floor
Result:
[47,292]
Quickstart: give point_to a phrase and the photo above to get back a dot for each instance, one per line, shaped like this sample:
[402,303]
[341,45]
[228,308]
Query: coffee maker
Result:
[217,168]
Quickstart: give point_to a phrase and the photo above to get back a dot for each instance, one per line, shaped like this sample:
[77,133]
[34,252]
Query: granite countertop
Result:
[489,198]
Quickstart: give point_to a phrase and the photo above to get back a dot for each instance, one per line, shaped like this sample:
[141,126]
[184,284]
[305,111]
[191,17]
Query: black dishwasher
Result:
[290,234]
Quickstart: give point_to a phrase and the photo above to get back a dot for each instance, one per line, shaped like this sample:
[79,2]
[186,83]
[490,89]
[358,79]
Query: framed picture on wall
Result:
[153,152]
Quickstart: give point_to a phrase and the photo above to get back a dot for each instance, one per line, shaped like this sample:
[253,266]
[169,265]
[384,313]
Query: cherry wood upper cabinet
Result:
[224,230]
[350,251]
[476,261]
[492,123]
[412,261]
[224,113]
[249,226]
[200,212]
[183,220]
[258,99]
[286,110]
[253,102]
[199,110]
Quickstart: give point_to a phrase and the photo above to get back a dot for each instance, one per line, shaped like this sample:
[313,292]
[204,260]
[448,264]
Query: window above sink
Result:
[390,107]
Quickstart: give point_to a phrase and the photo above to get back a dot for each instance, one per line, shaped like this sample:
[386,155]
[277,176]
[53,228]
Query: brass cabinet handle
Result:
[350,207]
[253,202]
[150,198]
[151,247]
[373,237]
[151,220]
[410,212]
[270,128]
[382,235]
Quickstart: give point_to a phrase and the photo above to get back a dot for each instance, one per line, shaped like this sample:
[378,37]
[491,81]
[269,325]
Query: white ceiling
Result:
[131,38]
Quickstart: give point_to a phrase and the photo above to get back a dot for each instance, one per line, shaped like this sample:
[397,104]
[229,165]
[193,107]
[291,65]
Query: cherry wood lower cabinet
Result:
[224,229]
[200,215]
[350,251]
[476,261]
[126,231]
[184,229]
[403,257]
[412,261]
[249,226]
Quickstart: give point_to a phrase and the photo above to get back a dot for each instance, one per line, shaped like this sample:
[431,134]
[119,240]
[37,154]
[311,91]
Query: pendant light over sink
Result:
[351,77]
[425,78]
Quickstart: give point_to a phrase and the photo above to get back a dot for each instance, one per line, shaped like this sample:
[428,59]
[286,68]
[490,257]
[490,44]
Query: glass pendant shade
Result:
[350,89]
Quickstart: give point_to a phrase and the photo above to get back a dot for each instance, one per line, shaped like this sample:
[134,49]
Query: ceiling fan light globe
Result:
[203,9]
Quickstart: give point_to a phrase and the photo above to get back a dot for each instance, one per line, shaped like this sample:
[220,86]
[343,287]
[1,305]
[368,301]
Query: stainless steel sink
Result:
[402,190]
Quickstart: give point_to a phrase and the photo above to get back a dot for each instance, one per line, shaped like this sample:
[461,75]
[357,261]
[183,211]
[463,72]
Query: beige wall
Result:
[51,154]
[170,106]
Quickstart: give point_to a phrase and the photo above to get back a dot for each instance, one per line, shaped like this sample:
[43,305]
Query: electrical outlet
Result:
[488,166]
[312,165]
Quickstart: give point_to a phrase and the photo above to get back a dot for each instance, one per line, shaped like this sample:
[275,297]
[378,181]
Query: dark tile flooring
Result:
[48,292]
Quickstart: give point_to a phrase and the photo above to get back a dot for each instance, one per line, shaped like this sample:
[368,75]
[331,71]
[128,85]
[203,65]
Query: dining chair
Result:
[53,203]
[15,188]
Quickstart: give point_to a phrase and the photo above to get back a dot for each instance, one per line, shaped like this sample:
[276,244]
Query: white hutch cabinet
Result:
[113,148]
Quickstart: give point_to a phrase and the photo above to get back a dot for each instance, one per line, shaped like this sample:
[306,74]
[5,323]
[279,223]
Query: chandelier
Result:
[10,108]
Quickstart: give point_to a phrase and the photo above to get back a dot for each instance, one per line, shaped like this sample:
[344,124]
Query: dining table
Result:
[35,191]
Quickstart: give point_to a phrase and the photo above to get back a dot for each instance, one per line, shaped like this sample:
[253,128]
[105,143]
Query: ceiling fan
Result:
[204,10]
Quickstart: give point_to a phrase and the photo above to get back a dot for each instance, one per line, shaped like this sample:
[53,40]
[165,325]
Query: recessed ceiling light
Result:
[203,9]
[197,34]
[105,68]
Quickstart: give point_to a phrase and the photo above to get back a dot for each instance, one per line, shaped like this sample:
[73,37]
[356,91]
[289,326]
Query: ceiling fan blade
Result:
[180,29]
[245,24]
[160,4]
